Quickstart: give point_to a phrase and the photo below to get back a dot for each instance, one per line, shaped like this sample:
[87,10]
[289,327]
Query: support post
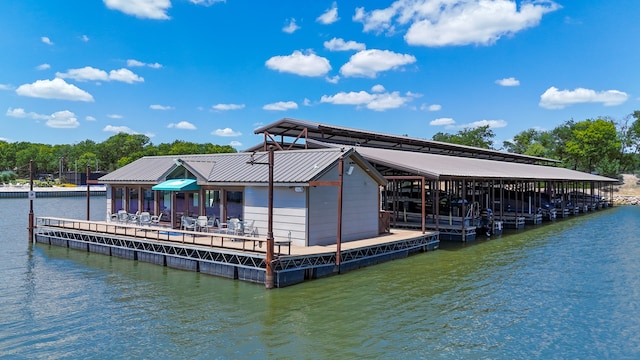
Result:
[339,235]
[464,210]
[31,238]
[422,208]
[88,194]
[268,283]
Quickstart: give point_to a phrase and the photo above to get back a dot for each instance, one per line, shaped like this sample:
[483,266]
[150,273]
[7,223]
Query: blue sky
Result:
[213,71]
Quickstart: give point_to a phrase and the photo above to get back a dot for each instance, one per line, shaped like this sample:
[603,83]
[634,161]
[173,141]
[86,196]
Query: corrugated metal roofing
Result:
[148,169]
[347,136]
[293,166]
[442,166]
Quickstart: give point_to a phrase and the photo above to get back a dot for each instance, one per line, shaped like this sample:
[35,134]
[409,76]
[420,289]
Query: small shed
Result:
[310,189]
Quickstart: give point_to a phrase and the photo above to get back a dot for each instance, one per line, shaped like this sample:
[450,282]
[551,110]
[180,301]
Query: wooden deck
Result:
[229,255]
[217,239]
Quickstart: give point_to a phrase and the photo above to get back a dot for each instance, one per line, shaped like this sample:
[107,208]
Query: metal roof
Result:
[442,166]
[355,137]
[292,167]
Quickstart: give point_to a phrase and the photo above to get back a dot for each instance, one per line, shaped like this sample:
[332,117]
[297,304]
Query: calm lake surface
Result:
[570,290]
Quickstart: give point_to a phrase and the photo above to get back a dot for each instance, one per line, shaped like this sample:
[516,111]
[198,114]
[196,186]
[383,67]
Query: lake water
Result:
[566,290]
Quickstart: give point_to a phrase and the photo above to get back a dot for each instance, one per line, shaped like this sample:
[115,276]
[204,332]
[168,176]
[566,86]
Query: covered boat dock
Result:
[457,190]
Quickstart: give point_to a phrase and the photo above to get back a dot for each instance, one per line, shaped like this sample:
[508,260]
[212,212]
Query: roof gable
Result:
[293,166]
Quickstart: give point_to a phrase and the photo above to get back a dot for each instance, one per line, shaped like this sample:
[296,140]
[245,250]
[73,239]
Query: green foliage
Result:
[116,151]
[589,145]
[593,143]
[481,137]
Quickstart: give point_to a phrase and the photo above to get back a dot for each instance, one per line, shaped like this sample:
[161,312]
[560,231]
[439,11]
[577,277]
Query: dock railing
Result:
[211,238]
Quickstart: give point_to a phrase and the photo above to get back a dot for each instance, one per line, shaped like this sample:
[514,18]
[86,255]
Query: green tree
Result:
[121,149]
[594,145]
[481,137]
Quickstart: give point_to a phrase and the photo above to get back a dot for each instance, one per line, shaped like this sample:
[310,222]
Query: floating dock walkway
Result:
[7,192]
[229,256]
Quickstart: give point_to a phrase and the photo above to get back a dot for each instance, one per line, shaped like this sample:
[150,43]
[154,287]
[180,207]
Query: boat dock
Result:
[7,192]
[226,255]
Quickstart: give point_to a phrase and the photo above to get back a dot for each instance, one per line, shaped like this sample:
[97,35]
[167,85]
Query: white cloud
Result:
[134,63]
[6,87]
[368,63]
[449,123]
[114,116]
[59,119]
[491,123]
[183,125]
[226,107]
[205,2]
[119,129]
[350,98]
[43,67]
[376,102]
[124,75]
[434,107]
[377,88]
[46,40]
[137,63]
[84,38]
[332,79]
[300,64]
[442,122]
[144,9]
[89,73]
[160,107]
[90,118]
[235,144]
[54,89]
[281,106]
[553,98]
[306,102]
[508,82]
[387,101]
[455,22]
[63,120]
[86,73]
[291,27]
[226,132]
[338,44]
[330,16]
[22,114]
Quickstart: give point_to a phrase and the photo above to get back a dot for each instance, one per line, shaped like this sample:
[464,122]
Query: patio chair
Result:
[112,217]
[214,225]
[144,219]
[155,219]
[133,218]
[249,229]
[234,227]
[188,223]
[202,223]
[123,217]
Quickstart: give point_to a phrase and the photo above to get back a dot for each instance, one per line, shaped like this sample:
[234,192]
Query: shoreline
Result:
[56,191]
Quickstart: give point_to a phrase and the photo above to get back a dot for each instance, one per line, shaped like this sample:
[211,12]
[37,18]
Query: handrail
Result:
[156,233]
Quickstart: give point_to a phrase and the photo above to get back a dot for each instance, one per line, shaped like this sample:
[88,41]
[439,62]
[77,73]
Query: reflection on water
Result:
[566,290]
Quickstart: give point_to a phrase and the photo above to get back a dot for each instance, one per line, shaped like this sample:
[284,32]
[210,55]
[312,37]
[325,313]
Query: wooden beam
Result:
[324,183]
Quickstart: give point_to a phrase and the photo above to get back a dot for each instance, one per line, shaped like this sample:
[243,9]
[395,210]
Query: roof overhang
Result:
[335,134]
[177,185]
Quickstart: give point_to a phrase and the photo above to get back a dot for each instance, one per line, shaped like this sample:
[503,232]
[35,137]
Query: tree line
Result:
[115,152]
[600,145]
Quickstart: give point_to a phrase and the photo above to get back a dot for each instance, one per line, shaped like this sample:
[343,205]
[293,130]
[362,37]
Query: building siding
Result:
[359,207]
[289,212]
